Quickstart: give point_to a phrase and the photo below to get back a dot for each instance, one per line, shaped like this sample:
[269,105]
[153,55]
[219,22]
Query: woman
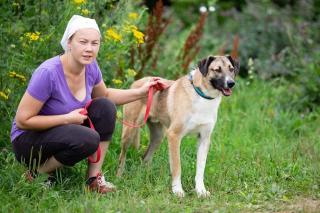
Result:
[49,128]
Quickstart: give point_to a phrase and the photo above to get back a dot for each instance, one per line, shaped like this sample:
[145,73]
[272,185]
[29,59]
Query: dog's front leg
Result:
[203,148]
[174,140]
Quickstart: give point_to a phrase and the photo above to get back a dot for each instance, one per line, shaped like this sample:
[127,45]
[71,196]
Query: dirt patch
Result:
[307,205]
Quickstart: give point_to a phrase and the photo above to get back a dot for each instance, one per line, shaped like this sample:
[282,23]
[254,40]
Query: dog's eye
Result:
[218,70]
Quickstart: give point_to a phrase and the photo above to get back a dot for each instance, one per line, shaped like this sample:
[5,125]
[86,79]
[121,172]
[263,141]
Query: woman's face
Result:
[84,45]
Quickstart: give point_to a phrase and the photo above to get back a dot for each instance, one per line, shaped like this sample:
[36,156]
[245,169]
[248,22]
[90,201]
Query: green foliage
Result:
[282,41]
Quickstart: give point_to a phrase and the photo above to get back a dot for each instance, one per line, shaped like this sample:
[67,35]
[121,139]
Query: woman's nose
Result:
[89,47]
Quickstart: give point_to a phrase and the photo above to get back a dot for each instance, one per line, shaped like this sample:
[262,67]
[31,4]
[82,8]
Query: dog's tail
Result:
[133,113]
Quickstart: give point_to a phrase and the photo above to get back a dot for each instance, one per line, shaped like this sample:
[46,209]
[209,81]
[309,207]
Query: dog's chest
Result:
[203,112]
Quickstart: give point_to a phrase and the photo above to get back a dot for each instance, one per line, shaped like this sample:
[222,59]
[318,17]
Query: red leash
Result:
[85,112]
[157,87]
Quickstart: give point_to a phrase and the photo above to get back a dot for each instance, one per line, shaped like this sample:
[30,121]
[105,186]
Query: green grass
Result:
[262,158]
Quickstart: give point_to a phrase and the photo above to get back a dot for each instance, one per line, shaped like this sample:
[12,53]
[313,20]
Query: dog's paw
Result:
[178,192]
[203,193]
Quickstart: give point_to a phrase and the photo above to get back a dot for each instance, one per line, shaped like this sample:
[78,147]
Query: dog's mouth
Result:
[218,84]
[226,91]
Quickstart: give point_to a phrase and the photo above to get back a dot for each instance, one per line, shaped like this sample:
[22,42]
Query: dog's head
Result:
[219,72]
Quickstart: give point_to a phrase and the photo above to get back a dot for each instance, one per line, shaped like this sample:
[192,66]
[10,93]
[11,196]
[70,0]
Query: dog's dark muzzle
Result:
[224,87]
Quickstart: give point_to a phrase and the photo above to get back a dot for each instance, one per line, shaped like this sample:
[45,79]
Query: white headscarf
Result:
[76,23]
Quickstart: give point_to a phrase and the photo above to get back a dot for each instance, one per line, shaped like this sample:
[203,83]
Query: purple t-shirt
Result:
[48,85]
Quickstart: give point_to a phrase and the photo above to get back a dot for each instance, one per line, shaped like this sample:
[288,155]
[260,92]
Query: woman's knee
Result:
[102,112]
[102,107]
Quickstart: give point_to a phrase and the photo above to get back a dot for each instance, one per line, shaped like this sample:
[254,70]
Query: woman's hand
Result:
[75,117]
[145,87]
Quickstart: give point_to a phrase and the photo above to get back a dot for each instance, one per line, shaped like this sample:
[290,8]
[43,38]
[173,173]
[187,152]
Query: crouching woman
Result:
[50,127]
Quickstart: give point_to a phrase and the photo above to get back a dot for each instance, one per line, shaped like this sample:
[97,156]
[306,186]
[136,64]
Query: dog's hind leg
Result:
[122,159]
[156,136]
[130,135]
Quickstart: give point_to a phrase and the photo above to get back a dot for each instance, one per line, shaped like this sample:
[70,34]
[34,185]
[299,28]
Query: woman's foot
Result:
[100,185]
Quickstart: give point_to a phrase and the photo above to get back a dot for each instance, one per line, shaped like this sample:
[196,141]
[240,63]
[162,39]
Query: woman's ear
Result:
[69,44]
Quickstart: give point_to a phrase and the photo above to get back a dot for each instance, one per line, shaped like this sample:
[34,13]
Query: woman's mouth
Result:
[87,58]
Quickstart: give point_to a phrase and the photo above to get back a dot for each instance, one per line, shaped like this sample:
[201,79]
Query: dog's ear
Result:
[235,63]
[204,65]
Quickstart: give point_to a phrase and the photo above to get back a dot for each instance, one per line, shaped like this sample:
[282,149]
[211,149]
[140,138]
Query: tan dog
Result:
[189,105]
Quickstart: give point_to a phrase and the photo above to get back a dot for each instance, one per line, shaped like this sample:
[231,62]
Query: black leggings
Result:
[69,143]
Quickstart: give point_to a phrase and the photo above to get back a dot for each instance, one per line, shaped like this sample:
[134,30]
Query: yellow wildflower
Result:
[127,28]
[85,12]
[4,96]
[133,16]
[13,74]
[112,34]
[130,28]
[117,81]
[21,77]
[79,2]
[33,36]
[131,72]
[138,35]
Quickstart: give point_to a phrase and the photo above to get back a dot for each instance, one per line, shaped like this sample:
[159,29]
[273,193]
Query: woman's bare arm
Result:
[121,96]
[27,115]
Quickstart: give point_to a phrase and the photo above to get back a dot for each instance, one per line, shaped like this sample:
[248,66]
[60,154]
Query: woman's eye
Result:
[83,42]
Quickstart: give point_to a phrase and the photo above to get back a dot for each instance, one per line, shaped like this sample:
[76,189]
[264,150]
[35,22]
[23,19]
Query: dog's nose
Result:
[230,83]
